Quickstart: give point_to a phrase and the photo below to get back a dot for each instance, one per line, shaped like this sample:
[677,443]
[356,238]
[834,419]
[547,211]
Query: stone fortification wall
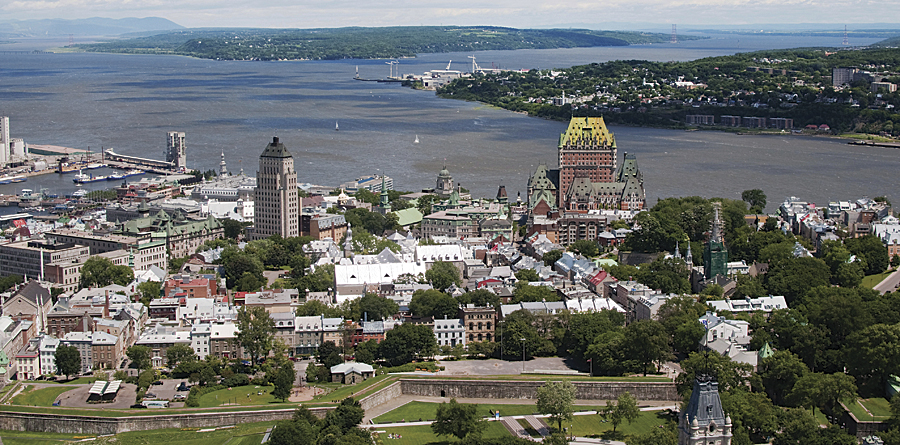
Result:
[527,389]
[381,396]
[90,425]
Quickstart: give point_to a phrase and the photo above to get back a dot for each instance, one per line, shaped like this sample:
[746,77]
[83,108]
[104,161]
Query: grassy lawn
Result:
[879,407]
[40,397]
[341,392]
[592,424]
[241,434]
[419,435]
[413,411]
[868,137]
[261,395]
[869,281]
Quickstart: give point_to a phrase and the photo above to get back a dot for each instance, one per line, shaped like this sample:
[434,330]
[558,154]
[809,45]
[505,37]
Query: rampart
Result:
[527,389]
[94,425]
[381,396]
[487,389]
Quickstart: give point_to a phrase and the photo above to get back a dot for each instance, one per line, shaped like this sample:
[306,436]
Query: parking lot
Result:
[168,389]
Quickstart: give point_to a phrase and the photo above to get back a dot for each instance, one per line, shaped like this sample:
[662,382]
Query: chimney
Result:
[106,304]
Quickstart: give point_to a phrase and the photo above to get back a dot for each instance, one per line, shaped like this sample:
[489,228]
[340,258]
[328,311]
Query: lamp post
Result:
[523,355]
[591,361]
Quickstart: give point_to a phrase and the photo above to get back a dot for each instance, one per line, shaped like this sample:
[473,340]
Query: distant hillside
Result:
[892,42]
[96,26]
[365,43]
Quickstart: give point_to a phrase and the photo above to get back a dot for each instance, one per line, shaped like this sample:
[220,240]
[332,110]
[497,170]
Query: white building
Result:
[200,334]
[47,350]
[762,304]
[450,332]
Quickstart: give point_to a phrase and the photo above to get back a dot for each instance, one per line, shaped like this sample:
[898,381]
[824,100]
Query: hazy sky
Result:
[515,13]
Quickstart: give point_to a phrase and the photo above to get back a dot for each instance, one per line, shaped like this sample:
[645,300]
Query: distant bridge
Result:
[24,52]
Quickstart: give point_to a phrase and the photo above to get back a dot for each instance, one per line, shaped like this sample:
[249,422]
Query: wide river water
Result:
[129,103]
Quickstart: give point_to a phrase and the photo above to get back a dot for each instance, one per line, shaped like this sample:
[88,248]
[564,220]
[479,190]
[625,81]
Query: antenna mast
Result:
[674,34]
[846,37]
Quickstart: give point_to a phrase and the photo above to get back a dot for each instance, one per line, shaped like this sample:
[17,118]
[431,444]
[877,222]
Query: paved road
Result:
[890,283]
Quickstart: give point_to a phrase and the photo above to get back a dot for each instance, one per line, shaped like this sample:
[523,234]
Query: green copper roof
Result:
[766,351]
[275,150]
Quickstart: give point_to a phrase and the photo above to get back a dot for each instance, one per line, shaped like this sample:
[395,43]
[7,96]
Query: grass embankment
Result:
[867,137]
[875,409]
[870,281]
[340,392]
[78,381]
[247,433]
[242,395]
[31,438]
[593,424]
[420,435]
[39,397]
[413,411]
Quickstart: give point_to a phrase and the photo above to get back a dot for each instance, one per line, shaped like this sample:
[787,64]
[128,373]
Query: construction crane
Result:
[474,65]
[448,65]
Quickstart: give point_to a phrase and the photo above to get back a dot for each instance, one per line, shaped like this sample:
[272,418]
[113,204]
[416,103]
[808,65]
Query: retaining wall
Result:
[527,389]
[91,425]
[381,396]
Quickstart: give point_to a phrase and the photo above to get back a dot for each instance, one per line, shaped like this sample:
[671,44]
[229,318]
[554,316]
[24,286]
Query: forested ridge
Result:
[364,43]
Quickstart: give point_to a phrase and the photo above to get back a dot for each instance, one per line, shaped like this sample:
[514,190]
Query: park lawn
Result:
[870,281]
[40,397]
[357,391]
[243,433]
[419,435]
[413,411]
[592,424]
[880,409]
[239,395]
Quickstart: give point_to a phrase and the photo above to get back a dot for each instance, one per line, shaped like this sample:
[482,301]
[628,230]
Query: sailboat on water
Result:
[336,128]
[417,140]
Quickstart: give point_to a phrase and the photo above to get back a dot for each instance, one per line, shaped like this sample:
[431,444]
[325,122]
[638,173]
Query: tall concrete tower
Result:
[175,150]
[4,141]
[277,207]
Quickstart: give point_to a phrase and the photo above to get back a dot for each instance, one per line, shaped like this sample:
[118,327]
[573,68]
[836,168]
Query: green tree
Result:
[525,292]
[406,342]
[346,416]
[284,381]
[794,277]
[659,436]
[755,198]
[625,409]
[874,354]
[584,247]
[139,356]
[179,353]
[291,432]
[99,272]
[551,257]
[779,373]
[243,271]
[647,344]
[377,308]
[871,249]
[729,374]
[556,399]
[458,419]
[149,290]
[256,330]
[433,303]
[67,360]
[480,297]
[443,274]
[528,275]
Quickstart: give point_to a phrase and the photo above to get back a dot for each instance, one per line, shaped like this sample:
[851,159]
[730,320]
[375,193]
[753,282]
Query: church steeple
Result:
[385,199]
[704,421]
[223,169]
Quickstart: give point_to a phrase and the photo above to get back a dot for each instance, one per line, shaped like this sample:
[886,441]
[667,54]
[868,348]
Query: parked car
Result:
[179,397]
[149,395]
[183,387]
[138,405]
[158,382]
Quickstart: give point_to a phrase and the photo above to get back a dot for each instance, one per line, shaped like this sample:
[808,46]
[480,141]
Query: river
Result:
[129,102]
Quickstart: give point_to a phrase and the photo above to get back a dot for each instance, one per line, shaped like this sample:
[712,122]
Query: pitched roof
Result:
[275,150]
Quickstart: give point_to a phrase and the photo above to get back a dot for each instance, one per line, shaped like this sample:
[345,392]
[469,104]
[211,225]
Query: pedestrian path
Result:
[538,425]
